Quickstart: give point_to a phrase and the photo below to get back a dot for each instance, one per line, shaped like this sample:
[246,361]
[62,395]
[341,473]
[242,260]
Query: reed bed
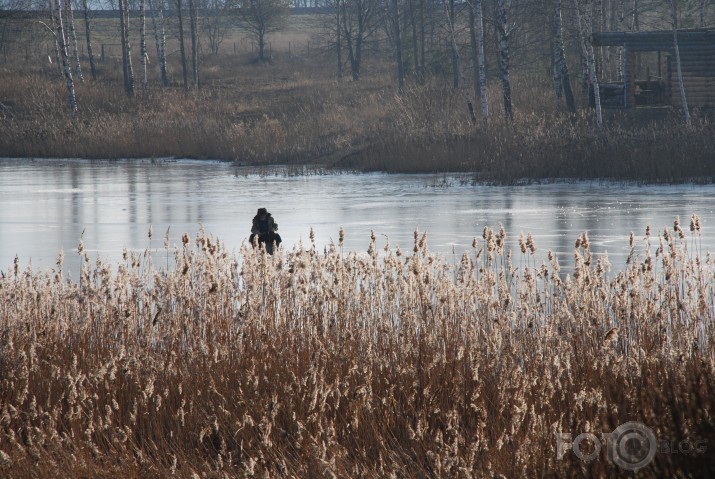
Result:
[387,363]
[294,111]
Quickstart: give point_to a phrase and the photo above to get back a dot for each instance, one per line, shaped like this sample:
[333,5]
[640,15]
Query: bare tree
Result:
[73,36]
[479,74]
[679,70]
[262,17]
[216,24]
[88,30]
[182,46]
[562,81]
[66,68]
[585,28]
[160,38]
[504,31]
[193,14]
[359,24]
[126,47]
[394,18]
[142,44]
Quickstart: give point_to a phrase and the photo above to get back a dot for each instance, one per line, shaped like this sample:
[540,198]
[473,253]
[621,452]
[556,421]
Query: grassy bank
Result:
[294,111]
[342,365]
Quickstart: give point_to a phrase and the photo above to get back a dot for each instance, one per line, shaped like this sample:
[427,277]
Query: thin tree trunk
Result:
[160,39]
[481,71]
[338,46]
[87,28]
[421,75]
[122,34]
[561,66]
[415,48]
[504,33]
[585,35]
[58,57]
[126,47]
[681,84]
[583,55]
[458,66]
[194,43]
[142,45]
[66,67]
[182,48]
[73,34]
[398,45]
[453,43]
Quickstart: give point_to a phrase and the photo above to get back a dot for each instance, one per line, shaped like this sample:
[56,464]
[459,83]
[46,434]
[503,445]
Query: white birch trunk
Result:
[481,68]
[58,57]
[126,47]
[338,45]
[458,65]
[194,43]
[90,54]
[560,60]
[73,33]
[160,38]
[681,84]
[66,67]
[504,33]
[142,44]
[585,35]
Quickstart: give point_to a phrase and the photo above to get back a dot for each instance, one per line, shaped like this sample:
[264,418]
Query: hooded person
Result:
[264,230]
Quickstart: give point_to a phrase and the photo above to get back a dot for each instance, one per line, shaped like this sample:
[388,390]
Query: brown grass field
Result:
[295,111]
[385,364]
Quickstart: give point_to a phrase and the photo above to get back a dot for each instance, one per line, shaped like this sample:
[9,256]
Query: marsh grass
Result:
[294,111]
[388,363]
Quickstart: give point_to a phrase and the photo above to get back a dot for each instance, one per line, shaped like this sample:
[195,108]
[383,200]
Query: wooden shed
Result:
[657,84]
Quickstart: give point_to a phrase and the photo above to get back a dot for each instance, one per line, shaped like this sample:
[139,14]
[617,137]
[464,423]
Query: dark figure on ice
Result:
[264,231]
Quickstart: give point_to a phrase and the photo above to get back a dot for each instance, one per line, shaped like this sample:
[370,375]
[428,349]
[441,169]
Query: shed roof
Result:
[655,40]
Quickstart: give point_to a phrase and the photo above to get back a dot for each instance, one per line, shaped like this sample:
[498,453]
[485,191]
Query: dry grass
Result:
[295,111]
[385,364]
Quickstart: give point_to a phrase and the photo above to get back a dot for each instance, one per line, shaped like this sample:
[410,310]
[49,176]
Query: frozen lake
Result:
[45,205]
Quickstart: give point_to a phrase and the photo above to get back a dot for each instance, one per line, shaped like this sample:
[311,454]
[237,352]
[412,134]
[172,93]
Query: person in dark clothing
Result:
[265,231]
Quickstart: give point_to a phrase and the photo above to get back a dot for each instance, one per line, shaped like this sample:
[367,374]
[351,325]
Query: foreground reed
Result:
[378,364]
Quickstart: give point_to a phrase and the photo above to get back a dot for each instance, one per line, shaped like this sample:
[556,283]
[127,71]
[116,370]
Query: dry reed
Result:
[331,364]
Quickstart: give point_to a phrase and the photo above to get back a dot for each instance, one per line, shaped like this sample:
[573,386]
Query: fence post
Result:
[102,51]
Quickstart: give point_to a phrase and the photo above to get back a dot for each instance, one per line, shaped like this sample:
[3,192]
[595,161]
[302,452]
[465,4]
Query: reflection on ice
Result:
[46,204]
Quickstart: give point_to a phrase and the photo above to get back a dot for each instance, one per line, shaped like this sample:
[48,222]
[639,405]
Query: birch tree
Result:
[160,39]
[193,14]
[585,27]
[504,30]
[88,30]
[53,22]
[479,73]
[142,44]
[458,66]
[126,47]
[182,45]
[73,36]
[66,67]
[562,81]
[679,70]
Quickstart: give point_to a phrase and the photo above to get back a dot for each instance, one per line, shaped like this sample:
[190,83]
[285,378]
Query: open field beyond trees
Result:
[293,110]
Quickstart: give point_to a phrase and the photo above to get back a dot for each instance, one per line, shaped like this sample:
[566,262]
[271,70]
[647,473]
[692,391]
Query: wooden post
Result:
[102,51]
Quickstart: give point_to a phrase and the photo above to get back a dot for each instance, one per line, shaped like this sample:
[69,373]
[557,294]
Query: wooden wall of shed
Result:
[697,63]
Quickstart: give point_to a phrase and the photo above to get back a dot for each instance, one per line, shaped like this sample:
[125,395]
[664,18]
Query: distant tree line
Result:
[470,42]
